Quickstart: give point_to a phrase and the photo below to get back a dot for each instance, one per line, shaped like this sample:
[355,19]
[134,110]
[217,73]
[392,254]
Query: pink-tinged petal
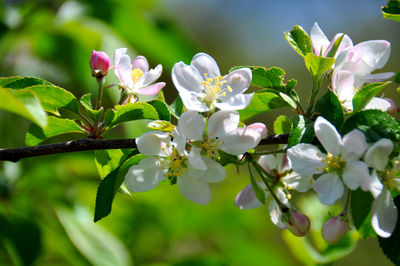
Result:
[377,155]
[298,224]
[152,89]
[99,62]
[269,162]
[124,71]
[192,125]
[205,64]
[237,102]
[186,78]
[345,44]
[305,159]
[354,145]
[318,39]
[194,189]
[153,143]
[381,104]
[238,81]
[145,175]
[328,135]
[393,106]
[329,188]
[215,172]
[240,141]
[141,63]
[375,53]
[222,123]
[355,174]
[246,199]
[379,77]
[260,128]
[384,214]
[334,230]
[343,85]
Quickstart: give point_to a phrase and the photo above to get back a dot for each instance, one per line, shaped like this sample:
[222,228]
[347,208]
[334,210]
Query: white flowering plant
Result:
[341,144]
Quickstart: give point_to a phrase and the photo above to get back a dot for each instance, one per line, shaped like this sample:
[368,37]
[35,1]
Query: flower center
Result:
[175,163]
[391,177]
[210,146]
[137,73]
[213,88]
[333,163]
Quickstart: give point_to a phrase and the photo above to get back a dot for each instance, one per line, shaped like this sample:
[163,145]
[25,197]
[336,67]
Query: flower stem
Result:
[270,152]
[315,89]
[100,85]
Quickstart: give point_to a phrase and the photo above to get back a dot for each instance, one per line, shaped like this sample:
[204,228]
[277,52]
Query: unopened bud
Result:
[334,229]
[99,63]
[298,223]
[260,128]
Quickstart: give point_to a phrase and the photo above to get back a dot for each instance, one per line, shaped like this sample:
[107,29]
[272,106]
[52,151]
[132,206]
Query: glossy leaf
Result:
[299,40]
[318,65]
[161,125]
[108,160]
[392,10]
[176,108]
[262,102]
[375,124]
[86,101]
[56,126]
[302,131]
[330,108]
[23,103]
[366,93]
[162,109]
[24,82]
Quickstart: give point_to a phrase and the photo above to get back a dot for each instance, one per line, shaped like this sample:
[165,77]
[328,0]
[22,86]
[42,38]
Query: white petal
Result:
[194,189]
[377,155]
[318,39]
[124,71]
[275,211]
[145,175]
[384,214]
[215,172]
[380,104]
[300,183]
[222,123]
[205,64]
[327,135]
[117,57]
[191,101]
[186,78]
[374,186]
[270,162]
[379,77]
[246,199]
[150,76]
[329,188]
[151,143]
[375,53]
[356,174]
[238,80]
[240,141]
[305,159]
[195,160]
[354,145]
[237,102]
[141,63]
[192,125]
[343,85]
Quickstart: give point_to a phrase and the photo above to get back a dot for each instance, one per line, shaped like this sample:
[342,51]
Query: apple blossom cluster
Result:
[316,158]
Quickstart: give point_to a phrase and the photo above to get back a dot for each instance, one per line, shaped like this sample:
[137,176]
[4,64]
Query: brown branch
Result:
[88,144]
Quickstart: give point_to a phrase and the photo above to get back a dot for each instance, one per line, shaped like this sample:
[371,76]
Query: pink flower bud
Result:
[334,229]
[298,223]
[260,128]
[99,63]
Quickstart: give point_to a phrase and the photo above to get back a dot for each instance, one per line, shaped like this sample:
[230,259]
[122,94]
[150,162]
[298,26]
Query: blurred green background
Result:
[46,209]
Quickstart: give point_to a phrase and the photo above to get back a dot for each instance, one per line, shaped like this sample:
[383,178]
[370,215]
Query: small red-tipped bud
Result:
[334,229]
[298,223]
[99,63]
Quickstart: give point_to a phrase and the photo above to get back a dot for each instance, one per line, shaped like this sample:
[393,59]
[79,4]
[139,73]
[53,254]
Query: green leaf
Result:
[108,160]
[390,246]
[375,124]
[392,10]
[54,98]
[176,108]
[330,108]
[130,112]
[95,243]
[335,47]
[86,101]
[226,158]
[162,110]
[56,126]
[288,100]
[271,78]
[161,125]
[110,185]
[366,93]
[282,124]
[361,203]
[258,191]
[23,103]
[318,65]
[7,80]
[24,82]
[397,78]
[302,131]
[299,40]
[262,102]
